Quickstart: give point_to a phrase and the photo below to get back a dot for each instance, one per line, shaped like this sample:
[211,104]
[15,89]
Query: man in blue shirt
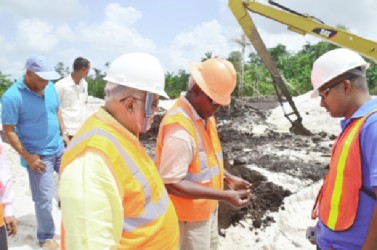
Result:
[33,125]
[347,207]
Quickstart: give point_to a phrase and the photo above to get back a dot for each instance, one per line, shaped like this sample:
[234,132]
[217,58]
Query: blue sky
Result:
[177,32]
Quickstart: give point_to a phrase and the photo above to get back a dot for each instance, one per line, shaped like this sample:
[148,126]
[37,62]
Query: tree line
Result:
[294,66]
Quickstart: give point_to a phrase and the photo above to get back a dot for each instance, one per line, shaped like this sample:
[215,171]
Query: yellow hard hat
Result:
[216,77]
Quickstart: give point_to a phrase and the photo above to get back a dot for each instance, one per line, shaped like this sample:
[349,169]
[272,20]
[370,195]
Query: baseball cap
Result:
[42,67]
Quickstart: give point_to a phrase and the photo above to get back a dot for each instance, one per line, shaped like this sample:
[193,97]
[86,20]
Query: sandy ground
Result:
[291,220]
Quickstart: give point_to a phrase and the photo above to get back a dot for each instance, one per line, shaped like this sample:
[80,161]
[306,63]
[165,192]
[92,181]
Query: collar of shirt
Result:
[196,115]
[361,112]
[71,82]
[20,82]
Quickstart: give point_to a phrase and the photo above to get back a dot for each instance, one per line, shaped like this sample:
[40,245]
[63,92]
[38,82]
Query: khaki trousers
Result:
[199,235]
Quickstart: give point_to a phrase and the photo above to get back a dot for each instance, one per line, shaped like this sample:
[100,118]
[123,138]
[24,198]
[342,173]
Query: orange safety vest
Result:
[339,196]
[150,221]
[1,215]
[207,167]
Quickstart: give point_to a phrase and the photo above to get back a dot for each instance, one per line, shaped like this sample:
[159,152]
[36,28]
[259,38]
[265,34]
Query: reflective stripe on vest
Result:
[339,181]
[337,202]
[152,211]
[206,173]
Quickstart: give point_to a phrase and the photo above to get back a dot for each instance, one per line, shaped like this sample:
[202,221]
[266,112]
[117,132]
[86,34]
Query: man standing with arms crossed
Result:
[73,95]
[346,205]
[189,155]
[32,124]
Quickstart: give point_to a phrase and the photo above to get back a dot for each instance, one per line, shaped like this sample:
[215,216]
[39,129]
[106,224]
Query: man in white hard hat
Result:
[190,158]
[33,125]
[112,196]
[346,205]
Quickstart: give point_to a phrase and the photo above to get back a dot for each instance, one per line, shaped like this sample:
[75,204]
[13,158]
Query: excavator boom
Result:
[247,24]
[299,23]
[304,24]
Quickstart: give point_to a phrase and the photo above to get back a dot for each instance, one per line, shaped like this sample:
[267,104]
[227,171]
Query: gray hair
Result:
[113,91]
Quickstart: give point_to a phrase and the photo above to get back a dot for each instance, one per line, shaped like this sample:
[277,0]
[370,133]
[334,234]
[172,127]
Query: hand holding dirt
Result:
[238,199]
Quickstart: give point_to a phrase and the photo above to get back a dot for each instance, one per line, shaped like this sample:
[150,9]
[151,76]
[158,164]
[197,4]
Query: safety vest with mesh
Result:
[150,221]
[339,196]
[207,167]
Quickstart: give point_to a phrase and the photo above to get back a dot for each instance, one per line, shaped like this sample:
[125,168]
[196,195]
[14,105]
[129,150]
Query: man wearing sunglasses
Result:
[112,196]
[346,205]
[190,159]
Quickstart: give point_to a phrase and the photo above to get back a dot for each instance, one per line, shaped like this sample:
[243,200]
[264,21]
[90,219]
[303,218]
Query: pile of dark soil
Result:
[267,196]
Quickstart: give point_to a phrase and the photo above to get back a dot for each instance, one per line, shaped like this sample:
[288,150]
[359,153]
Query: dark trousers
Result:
[3,238]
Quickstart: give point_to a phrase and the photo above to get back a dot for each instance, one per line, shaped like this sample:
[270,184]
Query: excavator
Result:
[301,24]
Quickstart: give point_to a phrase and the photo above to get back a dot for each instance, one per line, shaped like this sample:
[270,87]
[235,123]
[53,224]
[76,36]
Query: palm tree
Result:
[242,42]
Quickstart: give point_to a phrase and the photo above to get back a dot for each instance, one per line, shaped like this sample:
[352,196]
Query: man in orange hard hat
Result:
[189,155]
[346,205]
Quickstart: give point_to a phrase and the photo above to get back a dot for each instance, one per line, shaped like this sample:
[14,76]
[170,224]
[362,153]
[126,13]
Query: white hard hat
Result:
[332,64]
[139,71]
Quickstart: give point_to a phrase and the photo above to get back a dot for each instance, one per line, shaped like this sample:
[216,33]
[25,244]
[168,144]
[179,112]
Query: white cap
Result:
[42,67]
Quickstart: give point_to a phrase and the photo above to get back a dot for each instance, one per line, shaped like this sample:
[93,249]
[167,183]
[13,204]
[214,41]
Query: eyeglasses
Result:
[324,93]
[154,104]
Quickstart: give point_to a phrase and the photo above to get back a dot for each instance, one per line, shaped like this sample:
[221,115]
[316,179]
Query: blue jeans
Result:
[42,190]
[3,238]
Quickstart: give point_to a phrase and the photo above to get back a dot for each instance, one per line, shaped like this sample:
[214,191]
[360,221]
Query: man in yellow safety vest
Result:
[112,196]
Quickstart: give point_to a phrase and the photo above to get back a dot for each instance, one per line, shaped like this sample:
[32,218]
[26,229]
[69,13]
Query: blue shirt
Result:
[34,116]
[355,237]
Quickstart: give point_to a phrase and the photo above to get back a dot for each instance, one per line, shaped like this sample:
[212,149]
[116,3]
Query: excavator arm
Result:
[299,23]
[304,24]
[240,12]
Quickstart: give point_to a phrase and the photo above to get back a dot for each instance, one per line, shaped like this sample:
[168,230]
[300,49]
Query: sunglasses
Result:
[325,92]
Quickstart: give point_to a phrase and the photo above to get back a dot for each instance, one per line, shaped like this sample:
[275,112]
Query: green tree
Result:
[235,57]
[207,56]
[96,84]
[61,69]
[175,84]
[5,83]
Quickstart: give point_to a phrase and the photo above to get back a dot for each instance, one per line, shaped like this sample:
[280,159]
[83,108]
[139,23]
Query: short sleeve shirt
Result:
[354,237]
[34,116]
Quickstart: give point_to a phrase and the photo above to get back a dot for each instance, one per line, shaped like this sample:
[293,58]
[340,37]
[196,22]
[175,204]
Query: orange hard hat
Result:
[216,77]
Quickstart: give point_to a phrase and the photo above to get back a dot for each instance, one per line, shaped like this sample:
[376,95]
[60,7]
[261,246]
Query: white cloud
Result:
[125,16]
[60,30]
[100,43]
[35,36]
[46,9]
[192,45]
